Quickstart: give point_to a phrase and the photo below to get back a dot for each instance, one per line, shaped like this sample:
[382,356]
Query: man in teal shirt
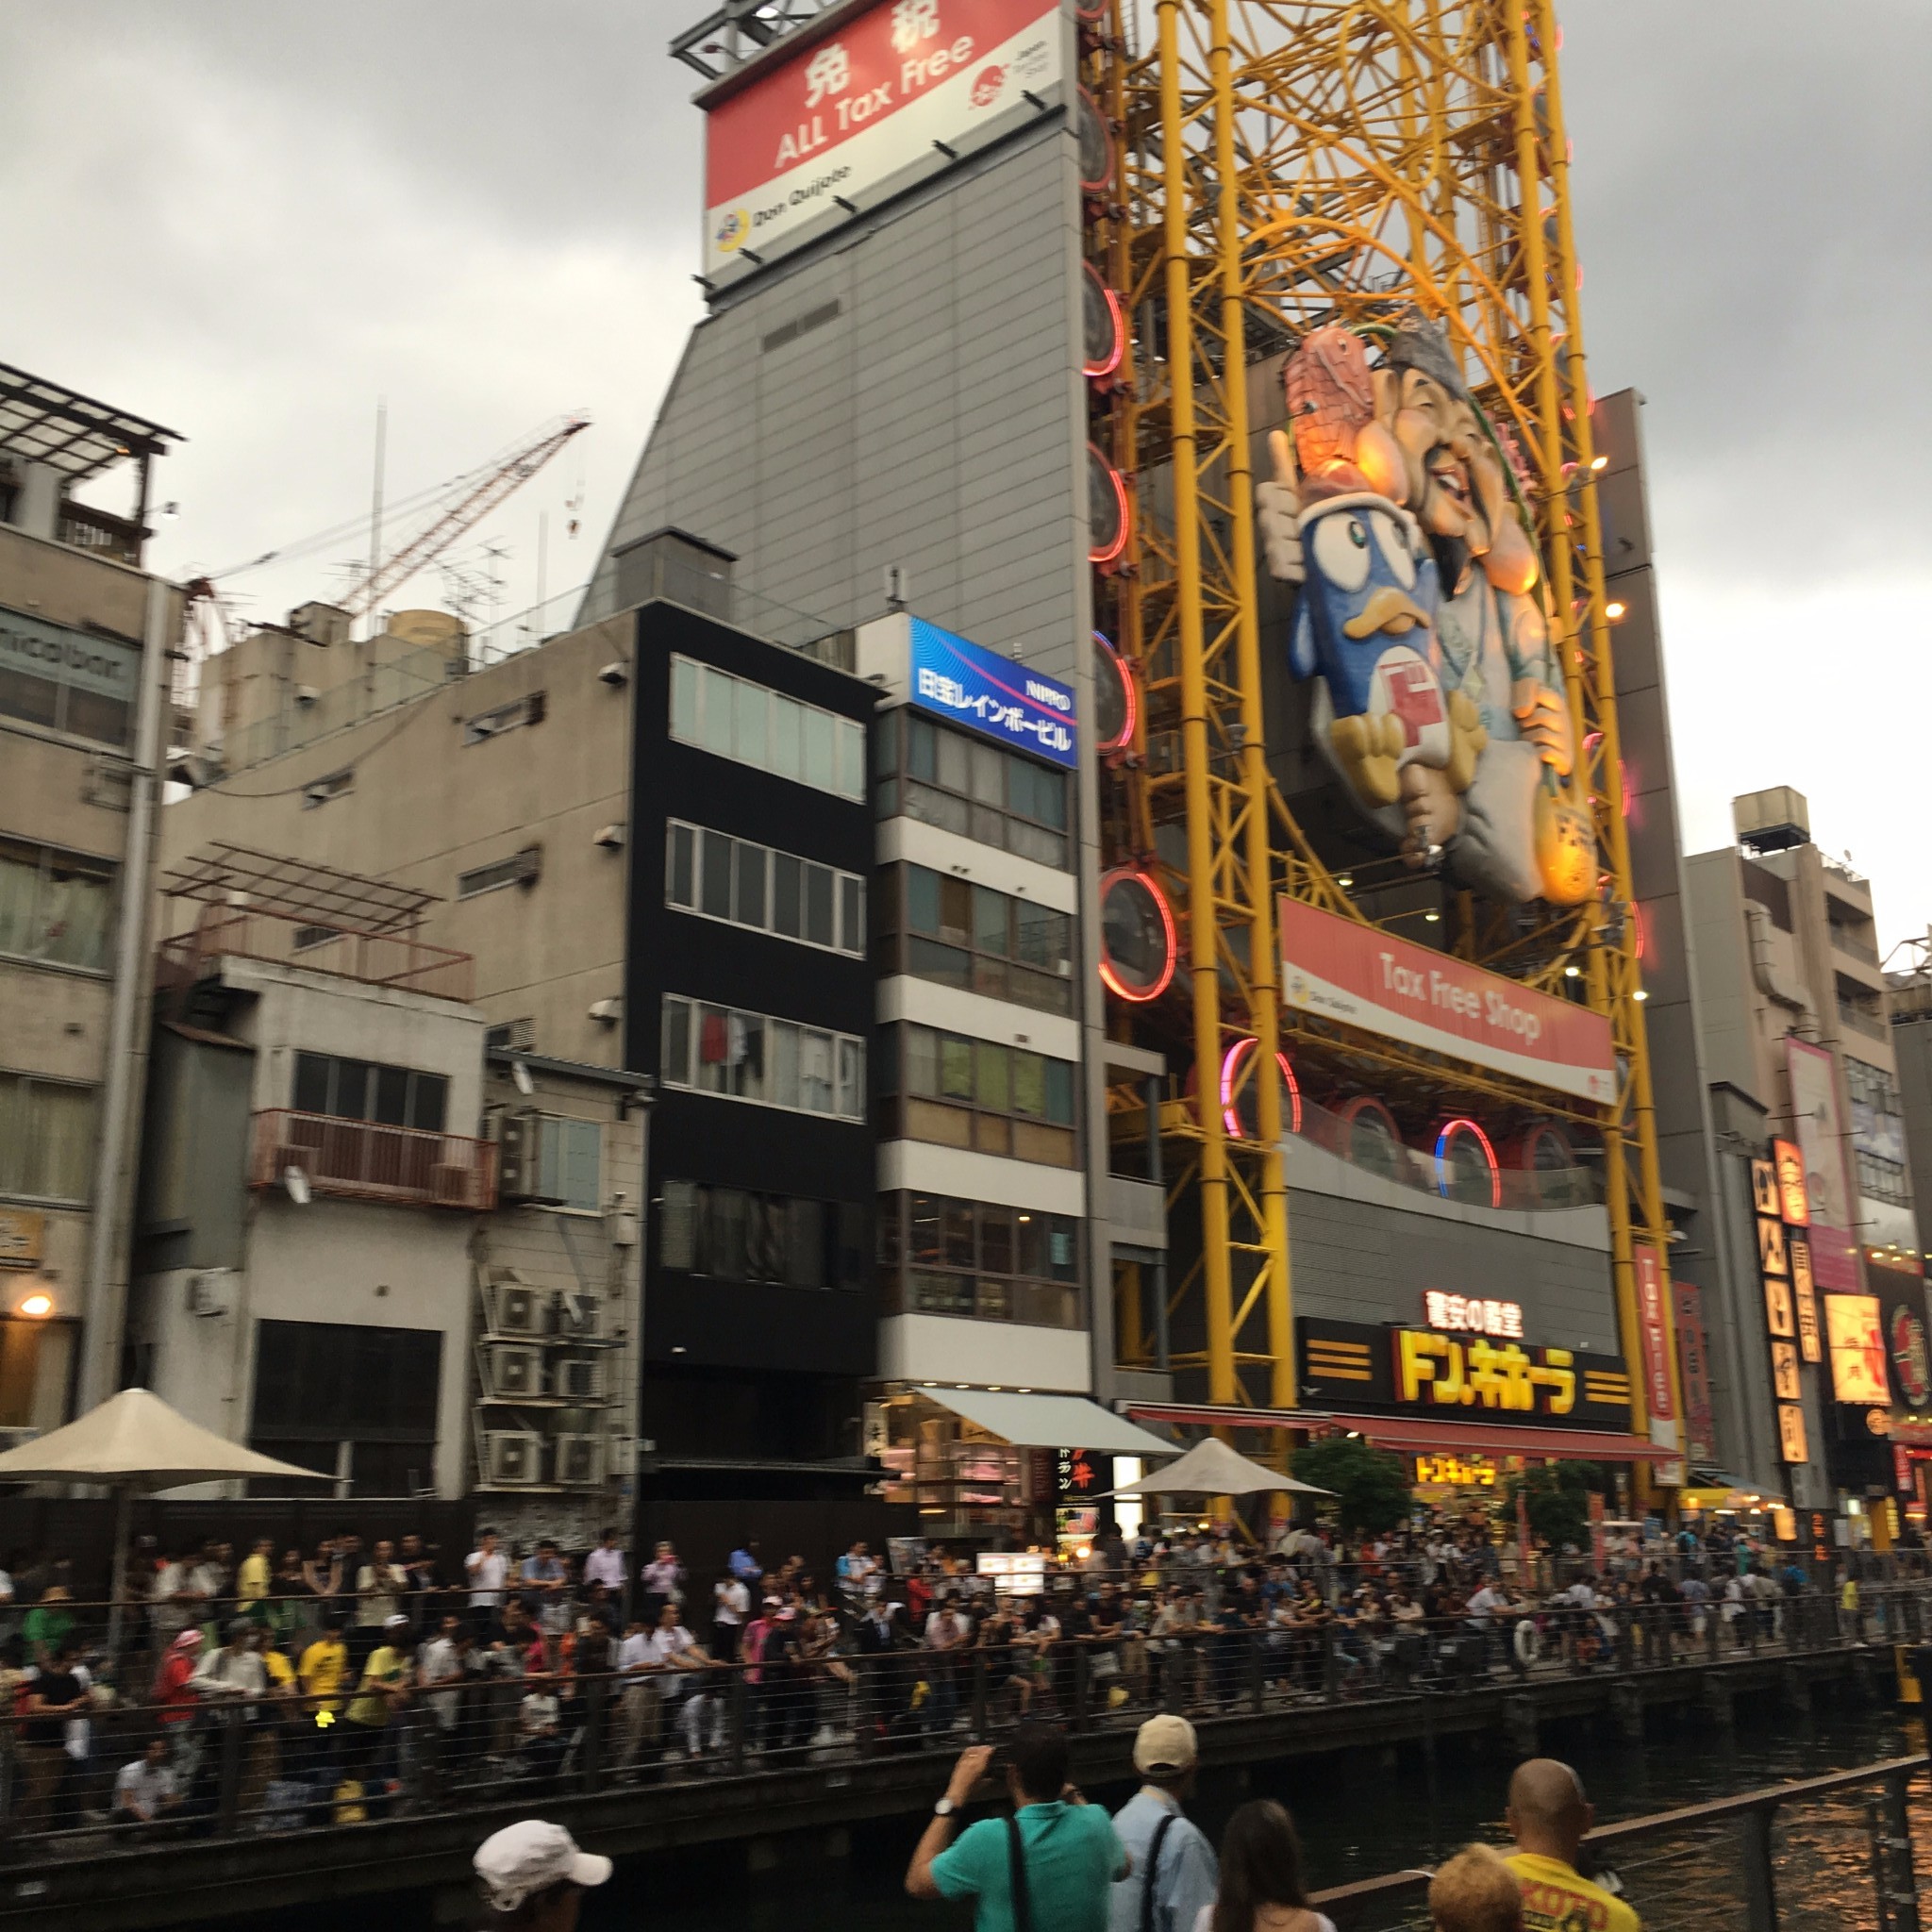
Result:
[1069,1852]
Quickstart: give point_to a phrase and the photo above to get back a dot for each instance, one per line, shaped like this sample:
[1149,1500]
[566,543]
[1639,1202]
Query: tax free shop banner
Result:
[1369,978]
[885,94]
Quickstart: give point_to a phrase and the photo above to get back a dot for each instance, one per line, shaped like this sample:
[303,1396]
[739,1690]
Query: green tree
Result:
[1557,1496]
[1371,1487]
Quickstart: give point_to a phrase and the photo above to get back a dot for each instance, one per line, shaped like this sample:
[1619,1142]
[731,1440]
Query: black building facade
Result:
[750,995]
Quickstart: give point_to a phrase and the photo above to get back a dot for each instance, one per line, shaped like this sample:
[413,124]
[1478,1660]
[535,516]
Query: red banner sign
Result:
[1653,1320]
[1343,970]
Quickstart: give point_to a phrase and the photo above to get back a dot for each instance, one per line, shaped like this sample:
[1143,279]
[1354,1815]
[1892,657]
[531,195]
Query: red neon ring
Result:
[1109,553]
[1095,371]
[1109,979]
[1230,1072]
[1462,1123]
[1133,704]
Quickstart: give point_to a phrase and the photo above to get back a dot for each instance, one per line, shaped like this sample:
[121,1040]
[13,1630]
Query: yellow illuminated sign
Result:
[1856,1337]
[1805,1297]
[1435,1369]
[1794,1202]
[1456,1471]
[1791,1433]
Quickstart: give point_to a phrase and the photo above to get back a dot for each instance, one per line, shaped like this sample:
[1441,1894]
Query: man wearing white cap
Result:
[534,1877]
[1174,1870]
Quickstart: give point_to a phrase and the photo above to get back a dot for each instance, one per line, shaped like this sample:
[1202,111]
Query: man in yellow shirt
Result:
[252,1581]
[322,1667]
[1547,1817]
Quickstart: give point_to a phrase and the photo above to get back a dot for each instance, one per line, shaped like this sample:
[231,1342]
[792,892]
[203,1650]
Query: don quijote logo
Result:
[732,229]
[988,85]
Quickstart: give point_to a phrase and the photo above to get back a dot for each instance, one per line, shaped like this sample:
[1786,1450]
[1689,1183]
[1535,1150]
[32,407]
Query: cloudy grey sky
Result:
[251,220]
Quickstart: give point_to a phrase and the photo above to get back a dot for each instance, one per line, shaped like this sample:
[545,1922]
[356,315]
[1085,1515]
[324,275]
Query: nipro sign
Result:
[1342,969]
[976,689]
[889,95]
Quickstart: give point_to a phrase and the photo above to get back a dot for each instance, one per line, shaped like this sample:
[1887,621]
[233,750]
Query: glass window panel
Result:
[1021,774]
[922,1245]
[947,965]
[753,740]
[955,1234]
[932,806]
[921,1060]
[989,977]
[885,743]
[995,1133]
[1064,1248]
[953,761]
[988,825]
[714,1048]
[726,1228]
[885,1062]
[783,1088]
[582,1143]
[923,897]
[889,1231]
[744,1064]
[749,893]
[805,1243]
[852,1079]
[764,1238]
[922,753]
[1043,847]
[849,1260]
[679,866]
[46,1138]
[956,911]
[815,1071]
[714,881]
[788,737]
[311,1083]
[1034,931]
[851,913]
[1029,1082]
[717,710]
[817,904]
[676,1068]
[1050,797]
[676,1234]
[988,766]
[351,1098]
[428,1100]
[76,912]
[788,895]
[991,919]
[684,700]
[36,699]
[850,759]
[20,887]
[1029,1244]
[391,1096]
[995,1082]
[995,1240]
[1052,1146]
[956,1066]
[817,749]
[932,1119]
[1059,1091]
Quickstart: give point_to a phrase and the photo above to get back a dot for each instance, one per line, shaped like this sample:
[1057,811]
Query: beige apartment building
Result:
[87,657]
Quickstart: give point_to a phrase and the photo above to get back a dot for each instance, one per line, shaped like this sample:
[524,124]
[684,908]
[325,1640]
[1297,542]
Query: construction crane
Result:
[475,496]
[1280,165]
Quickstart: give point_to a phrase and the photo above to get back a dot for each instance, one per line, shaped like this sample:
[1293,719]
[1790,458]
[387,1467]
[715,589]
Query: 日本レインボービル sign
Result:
[980,691]
[884,98]
[1352,1365]
[1364,976]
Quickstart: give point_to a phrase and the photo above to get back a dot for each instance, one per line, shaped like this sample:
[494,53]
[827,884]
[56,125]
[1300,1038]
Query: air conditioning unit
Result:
[578,1378]
[521,1309]
[581,1459]
[212,1291]
[519,1154]
[513,1372]
[512,1459]
[580,1316]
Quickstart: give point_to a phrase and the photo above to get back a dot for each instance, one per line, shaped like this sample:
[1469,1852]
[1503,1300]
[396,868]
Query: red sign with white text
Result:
[1653,1320]
[1343,970]
[893,86]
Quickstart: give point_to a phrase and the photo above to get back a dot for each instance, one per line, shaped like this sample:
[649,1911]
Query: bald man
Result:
[1547,1817]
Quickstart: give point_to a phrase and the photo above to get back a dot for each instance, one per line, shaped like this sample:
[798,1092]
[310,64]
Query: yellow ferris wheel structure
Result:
[1278,165]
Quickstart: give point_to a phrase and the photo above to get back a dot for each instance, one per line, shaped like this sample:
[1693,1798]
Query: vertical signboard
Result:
[1821,1134]
[1803,1297]
[1693,1365]
[1654,1323]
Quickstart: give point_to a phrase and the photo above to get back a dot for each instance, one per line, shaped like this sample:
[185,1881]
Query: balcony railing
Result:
[365,1160]
[397,960]
[1851,947]
[1872,1026]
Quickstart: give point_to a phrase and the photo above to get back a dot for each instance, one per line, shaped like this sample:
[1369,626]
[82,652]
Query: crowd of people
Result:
[334,1686]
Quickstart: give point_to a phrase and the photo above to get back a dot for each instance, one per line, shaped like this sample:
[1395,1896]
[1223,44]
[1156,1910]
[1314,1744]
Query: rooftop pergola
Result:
[48,423]
[297,889]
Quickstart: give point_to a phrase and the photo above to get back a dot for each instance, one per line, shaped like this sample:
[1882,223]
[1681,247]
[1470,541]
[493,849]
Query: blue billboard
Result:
[968,686]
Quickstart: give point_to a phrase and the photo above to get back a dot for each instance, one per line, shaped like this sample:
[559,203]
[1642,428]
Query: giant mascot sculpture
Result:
[1436,697]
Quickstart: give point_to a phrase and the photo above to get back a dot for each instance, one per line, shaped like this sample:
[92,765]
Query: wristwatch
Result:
[946,1808]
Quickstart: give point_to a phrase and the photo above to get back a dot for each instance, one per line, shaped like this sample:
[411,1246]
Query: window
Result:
[493,724]
[519,869]
[367,1091]
[67,680]
[958,934]
[996,797]
[976,1093]
[752,1057]
[1878,1133]
[46,1138]
[569,1156]
[721,878]
[56,908]
[325,1389]
[734,1234]
[944,1257]
[738,719]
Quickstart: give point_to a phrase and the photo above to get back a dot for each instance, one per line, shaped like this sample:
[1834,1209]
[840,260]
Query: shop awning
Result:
[1421,1435]
[1050,1422]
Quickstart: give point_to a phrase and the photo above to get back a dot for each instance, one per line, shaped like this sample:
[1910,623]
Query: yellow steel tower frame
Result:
[1284,163]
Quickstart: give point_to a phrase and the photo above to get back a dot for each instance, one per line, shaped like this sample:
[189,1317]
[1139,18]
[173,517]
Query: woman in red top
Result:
[176,1701]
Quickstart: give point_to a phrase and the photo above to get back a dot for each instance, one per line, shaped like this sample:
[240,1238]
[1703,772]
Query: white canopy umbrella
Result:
[1212,1468]
[135,1444]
